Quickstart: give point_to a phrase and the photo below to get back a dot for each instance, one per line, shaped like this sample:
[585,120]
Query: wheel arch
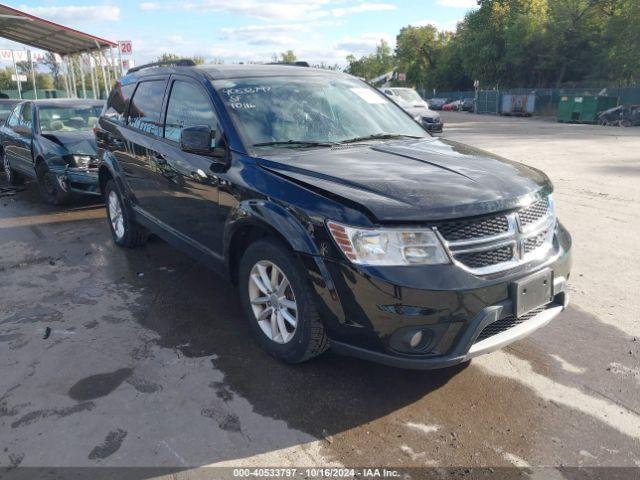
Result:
[108,170]
[253,220]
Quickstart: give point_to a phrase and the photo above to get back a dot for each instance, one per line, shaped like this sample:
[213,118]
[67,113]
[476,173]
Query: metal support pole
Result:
[104,72]
[33,75]
[104,78]
[15,69]
[107,68]
[120,60]
[73,78]
[114,65]
[84,87]
[94,82]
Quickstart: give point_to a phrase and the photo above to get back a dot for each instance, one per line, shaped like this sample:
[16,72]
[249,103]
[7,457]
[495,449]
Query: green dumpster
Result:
[583,108]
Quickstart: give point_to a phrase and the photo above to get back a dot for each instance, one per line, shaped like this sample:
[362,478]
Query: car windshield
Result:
[408,95]
[310,111]
[55,118]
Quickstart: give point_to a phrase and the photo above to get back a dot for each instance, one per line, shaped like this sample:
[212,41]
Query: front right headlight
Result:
[389,246]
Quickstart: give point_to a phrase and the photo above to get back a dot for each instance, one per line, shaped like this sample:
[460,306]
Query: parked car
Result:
[468,105]
[621,116]
[342,222]
[52,141]
[437,103]
[412,103]
[454,106]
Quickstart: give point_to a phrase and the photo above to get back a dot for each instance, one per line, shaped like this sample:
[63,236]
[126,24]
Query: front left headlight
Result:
[389,246]
[81,161]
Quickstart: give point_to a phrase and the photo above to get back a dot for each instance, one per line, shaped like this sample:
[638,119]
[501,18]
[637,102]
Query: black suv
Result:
[342,222]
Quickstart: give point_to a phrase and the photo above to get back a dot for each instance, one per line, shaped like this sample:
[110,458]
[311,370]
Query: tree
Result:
[54,67]
[373,65]
[172,57]
[423,53]
[286,57]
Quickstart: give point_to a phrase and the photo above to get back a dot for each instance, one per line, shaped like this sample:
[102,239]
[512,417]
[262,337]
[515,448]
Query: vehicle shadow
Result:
[199,315]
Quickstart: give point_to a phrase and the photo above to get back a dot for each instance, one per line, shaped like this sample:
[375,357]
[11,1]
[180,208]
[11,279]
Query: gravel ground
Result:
[141,358]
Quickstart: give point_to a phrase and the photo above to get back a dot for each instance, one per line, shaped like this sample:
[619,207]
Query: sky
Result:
[248,30]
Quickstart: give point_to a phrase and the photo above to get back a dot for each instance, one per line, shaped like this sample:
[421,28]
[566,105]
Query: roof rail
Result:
[183,62]
[291,64]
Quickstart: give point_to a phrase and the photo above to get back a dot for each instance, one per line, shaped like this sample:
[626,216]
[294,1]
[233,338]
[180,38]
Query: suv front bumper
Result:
[468,348]
[366,311]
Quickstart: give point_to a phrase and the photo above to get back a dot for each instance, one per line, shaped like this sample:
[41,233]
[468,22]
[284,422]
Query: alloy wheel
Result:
[273,302]
[115,214]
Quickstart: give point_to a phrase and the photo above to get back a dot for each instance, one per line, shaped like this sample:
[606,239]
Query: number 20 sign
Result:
[126,47]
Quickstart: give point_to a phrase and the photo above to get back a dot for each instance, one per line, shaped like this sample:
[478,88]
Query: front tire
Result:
[124,229]
[48,186]
[12,176]
[278,303]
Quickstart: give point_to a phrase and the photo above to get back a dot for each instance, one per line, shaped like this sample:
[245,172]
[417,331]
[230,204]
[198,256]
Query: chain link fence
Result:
[546,99]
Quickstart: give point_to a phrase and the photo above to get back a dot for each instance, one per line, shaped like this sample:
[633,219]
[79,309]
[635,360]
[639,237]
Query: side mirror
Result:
[197,140]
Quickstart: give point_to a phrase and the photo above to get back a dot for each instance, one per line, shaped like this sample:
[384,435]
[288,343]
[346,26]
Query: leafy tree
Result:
[373,65]
[285,57]
[54,67]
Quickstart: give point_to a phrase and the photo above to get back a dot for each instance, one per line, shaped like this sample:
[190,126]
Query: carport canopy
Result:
[40,33]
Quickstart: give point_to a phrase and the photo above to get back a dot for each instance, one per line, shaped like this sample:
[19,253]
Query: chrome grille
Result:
[534,213]
[534,242]
[501,242]
[506,323]
[486,257]
[468,229]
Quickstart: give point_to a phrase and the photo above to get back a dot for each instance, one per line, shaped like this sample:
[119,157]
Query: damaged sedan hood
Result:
[73,143]
[412,180]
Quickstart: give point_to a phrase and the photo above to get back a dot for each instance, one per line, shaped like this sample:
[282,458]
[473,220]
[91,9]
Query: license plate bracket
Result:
[532,292]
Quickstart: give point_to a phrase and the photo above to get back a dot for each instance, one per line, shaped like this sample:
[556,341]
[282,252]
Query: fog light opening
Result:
[415,339]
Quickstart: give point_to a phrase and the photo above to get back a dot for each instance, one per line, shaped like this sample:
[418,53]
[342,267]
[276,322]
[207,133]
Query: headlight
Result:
[389,246]
[82,161]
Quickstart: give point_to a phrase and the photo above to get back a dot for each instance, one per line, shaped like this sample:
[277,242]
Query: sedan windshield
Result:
[288,112]
[68,119]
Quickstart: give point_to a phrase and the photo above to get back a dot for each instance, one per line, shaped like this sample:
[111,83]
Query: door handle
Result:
[159,159]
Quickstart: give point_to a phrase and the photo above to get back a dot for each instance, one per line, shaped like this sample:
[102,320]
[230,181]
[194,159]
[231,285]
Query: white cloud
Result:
[146,6]
[74,14]
[270,10]
[364,7]
[458,3]
[364,44]
[175,40]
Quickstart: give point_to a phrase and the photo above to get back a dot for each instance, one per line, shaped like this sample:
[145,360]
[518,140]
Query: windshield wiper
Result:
[378,136]
[293,143]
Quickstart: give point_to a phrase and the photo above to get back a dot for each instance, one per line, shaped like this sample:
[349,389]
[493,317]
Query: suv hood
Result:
[412,181]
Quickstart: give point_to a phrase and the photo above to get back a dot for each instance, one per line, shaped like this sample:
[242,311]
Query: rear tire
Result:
[126,232]
[48,186]
[298,343]
[13,178]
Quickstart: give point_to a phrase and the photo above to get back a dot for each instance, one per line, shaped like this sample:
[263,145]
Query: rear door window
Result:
[145,109]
